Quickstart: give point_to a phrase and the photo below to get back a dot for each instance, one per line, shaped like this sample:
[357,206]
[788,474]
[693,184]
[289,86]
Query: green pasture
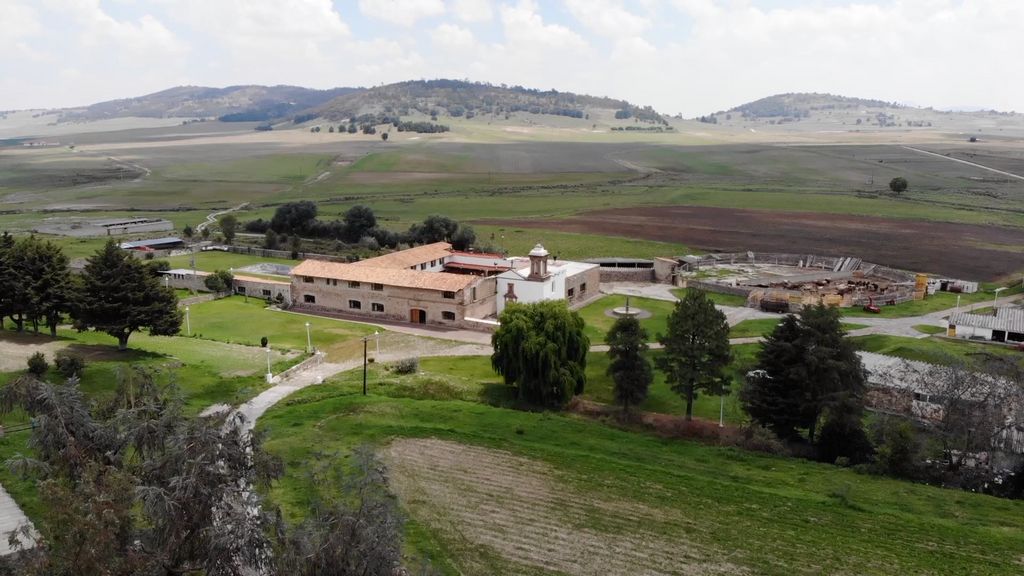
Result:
[937,302]
[716,297]
[213,260]
[935,350]
[572,246]
[770,515]
[286,168]
[238,320]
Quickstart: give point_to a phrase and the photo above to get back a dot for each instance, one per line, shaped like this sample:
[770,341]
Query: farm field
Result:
[908,244]
[543,493]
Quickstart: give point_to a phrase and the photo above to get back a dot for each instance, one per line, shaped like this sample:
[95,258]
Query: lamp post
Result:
[958,303]
[269,375]
[995,297]
[721,411]
[309,340]
[376,337]
[365,338]
[188,322]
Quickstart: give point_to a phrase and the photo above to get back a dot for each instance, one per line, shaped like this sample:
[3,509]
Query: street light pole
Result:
[188,322]
[309,340]
[269,375]
[995,297]
[364,364]
[376,337]
[721,411]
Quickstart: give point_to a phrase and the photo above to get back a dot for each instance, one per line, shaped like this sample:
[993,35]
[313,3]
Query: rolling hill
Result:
[802,105]
[238,103]
[457,98]
[450,98]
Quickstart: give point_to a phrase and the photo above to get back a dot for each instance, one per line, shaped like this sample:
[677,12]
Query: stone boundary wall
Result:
[315,360]
[627,274]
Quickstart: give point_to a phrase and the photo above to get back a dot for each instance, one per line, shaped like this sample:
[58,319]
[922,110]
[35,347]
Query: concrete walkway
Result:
[11,518]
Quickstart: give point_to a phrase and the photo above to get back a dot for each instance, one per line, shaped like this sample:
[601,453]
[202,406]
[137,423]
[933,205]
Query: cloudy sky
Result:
[688,56]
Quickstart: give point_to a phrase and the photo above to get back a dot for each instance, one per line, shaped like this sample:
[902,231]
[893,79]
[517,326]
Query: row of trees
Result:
[35,284]
[360,222]
[116,293]
[808,377]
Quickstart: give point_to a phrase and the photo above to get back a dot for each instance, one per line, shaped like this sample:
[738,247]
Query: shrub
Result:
[406,366]
[68,364]
[37,364]
[760,439]
[897,448]
[263,342]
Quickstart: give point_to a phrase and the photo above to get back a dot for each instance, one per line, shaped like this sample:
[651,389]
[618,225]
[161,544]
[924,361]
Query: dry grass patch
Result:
[505,514]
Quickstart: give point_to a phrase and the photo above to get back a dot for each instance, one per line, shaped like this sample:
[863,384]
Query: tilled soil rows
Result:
[966,251]
[499,513]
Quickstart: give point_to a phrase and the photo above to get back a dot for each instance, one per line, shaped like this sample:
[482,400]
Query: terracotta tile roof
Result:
[399,277]
[407,258]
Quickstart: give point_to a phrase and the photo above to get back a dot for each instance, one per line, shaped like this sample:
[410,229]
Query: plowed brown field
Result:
[967,251]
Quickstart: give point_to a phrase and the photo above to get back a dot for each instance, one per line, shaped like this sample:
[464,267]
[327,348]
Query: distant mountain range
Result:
[452,98]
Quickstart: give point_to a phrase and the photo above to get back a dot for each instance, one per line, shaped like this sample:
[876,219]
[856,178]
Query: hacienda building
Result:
[434,284]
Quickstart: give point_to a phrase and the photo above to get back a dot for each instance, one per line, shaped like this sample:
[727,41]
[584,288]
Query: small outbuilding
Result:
[1006,325]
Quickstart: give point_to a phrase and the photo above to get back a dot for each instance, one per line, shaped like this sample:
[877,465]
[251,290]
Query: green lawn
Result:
[766,515]
[934,303]
[934,350]
[244,321]
[763,326]
[213,260]
[205,372]
[929,329]
[598,323]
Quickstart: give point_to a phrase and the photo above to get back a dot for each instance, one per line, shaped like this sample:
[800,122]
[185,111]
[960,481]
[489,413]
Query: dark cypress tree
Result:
[773,393]
[119,296]
[629,368]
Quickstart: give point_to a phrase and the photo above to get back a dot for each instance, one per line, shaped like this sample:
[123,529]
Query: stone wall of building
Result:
[583,286]
[397,302]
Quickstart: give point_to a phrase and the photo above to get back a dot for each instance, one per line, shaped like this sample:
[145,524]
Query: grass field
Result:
[488,488]
[598,322]
[933,350]
[213,260]
[244,321]
[933,303]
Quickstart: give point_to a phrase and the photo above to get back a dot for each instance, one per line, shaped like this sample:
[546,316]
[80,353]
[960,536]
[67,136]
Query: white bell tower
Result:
[538,263]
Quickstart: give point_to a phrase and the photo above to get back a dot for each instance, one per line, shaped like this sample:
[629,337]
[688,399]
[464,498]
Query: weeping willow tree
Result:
[541,350]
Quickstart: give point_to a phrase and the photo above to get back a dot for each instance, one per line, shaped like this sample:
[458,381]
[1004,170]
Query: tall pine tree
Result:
[773,394]
[696,348]
[119,296]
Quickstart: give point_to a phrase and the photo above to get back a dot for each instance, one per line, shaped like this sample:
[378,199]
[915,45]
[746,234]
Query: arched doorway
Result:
[417,316]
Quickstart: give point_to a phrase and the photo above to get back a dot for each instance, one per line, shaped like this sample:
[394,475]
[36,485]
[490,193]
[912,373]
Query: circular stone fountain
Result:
[628,311]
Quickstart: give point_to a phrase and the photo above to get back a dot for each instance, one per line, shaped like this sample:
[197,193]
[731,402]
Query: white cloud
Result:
[607,18]
[472,10]
[525,29]
[401,12]
[453,37]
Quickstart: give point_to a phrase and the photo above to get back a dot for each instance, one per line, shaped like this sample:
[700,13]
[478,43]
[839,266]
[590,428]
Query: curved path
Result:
[212,218]
[969,163]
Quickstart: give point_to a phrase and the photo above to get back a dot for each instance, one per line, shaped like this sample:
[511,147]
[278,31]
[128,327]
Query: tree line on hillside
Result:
[358,225]
[805,395]
[116,293]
